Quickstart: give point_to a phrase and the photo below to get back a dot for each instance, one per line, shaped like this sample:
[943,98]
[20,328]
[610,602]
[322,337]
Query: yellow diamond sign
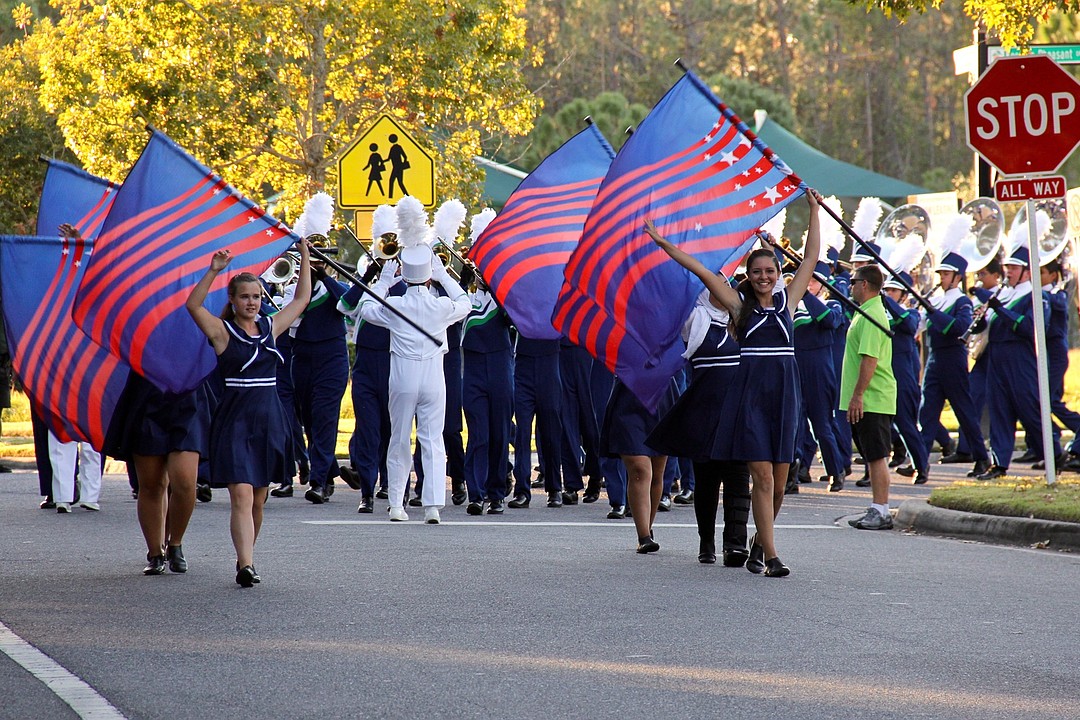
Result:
[382,166]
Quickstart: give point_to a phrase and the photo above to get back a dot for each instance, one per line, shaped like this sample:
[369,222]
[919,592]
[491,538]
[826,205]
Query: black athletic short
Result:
[874,433]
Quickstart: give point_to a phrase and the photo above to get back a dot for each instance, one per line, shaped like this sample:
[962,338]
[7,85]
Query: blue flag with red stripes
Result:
[708,183]
[72,195]
[169,217]
[523,251]
[72,383]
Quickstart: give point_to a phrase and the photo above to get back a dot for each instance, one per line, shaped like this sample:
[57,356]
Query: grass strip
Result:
[1013,497]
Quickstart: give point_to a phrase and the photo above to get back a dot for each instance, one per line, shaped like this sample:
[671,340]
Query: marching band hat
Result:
[952,261]
[860,254]
[894,284]
[1020,256]
[416,263]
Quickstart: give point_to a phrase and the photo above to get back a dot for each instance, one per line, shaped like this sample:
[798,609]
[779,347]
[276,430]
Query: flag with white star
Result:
[168,219]
[523,251]
[708,183]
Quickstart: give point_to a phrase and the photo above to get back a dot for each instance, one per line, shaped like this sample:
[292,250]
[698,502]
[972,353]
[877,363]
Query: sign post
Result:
[1023,116]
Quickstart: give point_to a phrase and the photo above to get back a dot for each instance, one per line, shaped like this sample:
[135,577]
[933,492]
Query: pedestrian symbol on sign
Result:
[382,166]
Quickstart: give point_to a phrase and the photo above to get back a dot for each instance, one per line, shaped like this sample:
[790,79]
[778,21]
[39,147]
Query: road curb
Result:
[921,516]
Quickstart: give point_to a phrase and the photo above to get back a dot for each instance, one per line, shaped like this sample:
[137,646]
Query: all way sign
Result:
[1050,187]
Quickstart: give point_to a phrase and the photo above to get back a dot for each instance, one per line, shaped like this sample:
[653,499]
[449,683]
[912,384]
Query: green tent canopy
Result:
[825,174]
[499,181]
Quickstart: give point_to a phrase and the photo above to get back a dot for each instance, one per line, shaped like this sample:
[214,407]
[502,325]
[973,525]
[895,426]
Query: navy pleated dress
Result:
[695,425]
[153,423]
[249,435]
[764,400]
[627,422]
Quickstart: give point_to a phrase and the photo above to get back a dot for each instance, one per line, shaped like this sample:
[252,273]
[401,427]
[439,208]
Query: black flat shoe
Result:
[350,476]
[175,555]
[255,573]
[204,493]
[382,494]
[458,492]
[775,568]
[906,471]
[519,502]
[367,505]
[555,499]
[416,501]
[735,557]
[155,565]
[590,497]
[665,503]
[315,495]
[647,545]
[755,560]
[617,512]
[282,490]
[245,576]
[706,552]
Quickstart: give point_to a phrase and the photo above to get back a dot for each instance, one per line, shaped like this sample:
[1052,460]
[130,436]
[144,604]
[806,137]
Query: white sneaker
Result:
[398,514]
[431,515]
[63,507]
[89,506]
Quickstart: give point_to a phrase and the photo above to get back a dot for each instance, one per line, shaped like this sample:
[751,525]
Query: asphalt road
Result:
[538,613]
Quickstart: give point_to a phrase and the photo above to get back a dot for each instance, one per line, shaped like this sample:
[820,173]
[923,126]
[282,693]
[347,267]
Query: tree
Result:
[610,111]
[270,94]
[1012,22]
[26,130]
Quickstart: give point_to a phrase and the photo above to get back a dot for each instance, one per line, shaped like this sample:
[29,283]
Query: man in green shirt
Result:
[868,392]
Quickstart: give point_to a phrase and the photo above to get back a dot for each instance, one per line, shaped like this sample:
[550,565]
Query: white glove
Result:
[390,269]
[438,271]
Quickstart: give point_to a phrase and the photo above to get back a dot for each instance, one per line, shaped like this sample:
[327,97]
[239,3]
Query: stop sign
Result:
[1023,115]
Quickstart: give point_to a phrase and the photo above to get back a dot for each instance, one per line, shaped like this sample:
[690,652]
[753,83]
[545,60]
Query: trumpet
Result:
[386,246]
[979,314]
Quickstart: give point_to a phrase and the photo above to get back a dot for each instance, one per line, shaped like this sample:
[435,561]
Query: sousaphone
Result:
[988,231]
[900,223]
[1054,240]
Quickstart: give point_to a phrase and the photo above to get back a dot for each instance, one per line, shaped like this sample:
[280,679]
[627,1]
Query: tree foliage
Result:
[1013,22]
[270,93]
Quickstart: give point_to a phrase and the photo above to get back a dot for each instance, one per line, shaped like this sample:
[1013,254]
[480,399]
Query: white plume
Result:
[412,221]
[1018,235]
[832,235]
[775,225]
[947,237]
[317,217]
[448,220]
[383,220]
[867,216]
[906,253]
[479,223]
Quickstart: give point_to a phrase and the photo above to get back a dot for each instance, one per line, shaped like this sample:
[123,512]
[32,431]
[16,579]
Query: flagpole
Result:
[316,252]
[877,256]
[845,301]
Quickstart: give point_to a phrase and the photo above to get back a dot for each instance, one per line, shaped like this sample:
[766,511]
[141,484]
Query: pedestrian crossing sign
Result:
[383,165]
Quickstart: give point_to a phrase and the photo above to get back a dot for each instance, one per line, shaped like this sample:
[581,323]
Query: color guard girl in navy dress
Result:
[694,426]
[625,426]
[762,405]
[250,441]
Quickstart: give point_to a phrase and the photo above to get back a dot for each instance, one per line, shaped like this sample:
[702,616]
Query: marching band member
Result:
[447,225]
[904,322]
[580,429]
[249,439]
[488,399]
[1012,379]
[370,377]
[815,323]
[945,376]
[321,360]
[417,385]
[536,372]
[1057,344]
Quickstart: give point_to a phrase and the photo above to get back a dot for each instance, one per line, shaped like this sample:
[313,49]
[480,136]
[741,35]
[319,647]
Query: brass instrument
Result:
[386,246]
[896,226]
[987,232]
[284,269]
[976,341]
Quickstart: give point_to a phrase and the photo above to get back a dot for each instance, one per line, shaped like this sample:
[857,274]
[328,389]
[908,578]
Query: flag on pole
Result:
[523,252]
[72,195]
[73,384]
[708,183]
[169,217]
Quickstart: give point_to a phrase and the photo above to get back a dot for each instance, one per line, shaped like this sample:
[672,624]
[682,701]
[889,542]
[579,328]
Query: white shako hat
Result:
[413,230]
